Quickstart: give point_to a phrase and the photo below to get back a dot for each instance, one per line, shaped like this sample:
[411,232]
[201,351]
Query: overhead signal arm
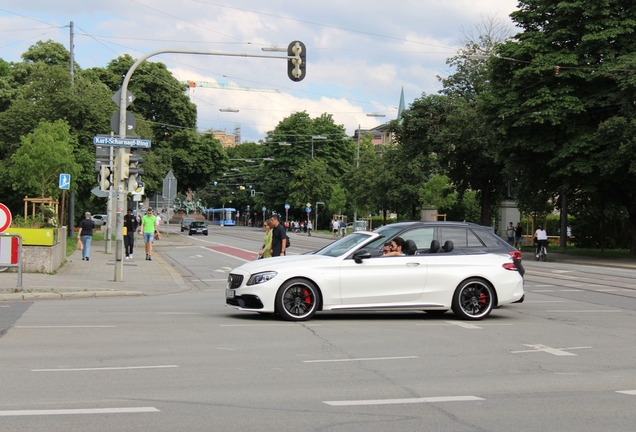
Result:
[222,86]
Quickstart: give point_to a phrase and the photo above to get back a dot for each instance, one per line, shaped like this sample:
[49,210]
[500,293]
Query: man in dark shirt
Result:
[279,237]
[85,233]
[131,224]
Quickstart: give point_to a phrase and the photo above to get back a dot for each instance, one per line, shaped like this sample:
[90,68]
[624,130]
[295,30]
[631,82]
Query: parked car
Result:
[185,223]
[447,265]
[100,219]
[198,227]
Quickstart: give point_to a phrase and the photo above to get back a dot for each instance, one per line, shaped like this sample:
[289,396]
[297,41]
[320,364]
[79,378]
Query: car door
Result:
[382,281]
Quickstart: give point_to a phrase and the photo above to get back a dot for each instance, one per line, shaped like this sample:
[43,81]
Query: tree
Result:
[338,200]
[45,154]
[437,192]
[50,53]
[559,99]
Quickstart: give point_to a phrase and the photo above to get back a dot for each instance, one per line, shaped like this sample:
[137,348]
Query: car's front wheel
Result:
[473,299]
[297,300]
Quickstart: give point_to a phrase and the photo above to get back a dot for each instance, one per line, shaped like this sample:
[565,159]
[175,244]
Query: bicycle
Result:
[543,253]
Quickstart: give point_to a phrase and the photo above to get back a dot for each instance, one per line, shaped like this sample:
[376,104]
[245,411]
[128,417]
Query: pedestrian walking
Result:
[266,251]
[148,222]
[85,233]
[510,232]
[279,237]
[334,227]
[518,235]
[309,228]
[343,228]
[131,225]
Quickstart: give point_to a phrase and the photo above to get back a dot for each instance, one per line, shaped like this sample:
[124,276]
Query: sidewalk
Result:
[95,278]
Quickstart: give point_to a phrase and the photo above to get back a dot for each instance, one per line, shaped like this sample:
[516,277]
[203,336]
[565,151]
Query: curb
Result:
[67,295]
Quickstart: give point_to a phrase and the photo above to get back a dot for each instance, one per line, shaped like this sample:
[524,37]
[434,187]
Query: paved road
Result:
[180,360]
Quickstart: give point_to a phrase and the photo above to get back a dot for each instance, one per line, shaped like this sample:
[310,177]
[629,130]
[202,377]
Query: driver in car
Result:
[395,247]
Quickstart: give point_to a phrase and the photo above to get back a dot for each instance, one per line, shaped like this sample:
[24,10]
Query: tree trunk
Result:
[485,217]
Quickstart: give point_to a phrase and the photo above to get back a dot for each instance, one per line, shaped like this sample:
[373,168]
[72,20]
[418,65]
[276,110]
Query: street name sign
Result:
[121,142]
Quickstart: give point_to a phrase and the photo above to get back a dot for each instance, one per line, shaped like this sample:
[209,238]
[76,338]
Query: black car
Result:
[445,237]
[185,223]
[198,227]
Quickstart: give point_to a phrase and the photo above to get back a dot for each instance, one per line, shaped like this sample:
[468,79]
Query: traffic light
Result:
[253,192]
[134,172]
[296,66]
[104,178]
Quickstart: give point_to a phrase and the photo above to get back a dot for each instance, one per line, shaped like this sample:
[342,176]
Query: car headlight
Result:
[259,278]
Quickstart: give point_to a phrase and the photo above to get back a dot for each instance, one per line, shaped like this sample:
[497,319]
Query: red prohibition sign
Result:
[5,218]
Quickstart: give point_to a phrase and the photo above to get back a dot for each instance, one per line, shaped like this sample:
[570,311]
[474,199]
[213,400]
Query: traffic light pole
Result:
[296,71]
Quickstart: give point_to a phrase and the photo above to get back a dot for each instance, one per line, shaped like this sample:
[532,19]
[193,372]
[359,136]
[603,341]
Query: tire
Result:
[189,233]
[473,299]
[537,257]
[205,233]
[297,300]
[544,256]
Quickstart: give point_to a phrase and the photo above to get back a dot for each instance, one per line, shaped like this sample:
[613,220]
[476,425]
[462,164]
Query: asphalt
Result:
[95,278]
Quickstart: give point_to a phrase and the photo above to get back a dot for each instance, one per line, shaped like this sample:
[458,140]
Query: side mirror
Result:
[360,255]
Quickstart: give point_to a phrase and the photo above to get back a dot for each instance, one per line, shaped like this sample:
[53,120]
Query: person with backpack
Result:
[279,237]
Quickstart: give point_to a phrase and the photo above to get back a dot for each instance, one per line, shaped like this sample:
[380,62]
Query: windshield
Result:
[197,224]
[344,245]
[386,232]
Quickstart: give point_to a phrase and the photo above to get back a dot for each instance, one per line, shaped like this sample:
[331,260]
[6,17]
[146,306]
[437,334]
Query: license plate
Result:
[229,293]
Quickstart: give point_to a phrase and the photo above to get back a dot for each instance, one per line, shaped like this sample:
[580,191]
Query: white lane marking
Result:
[269,325]
[195,256]
[561,271]
[214,280]
[606,290]
[360,359]
[550,350]
[226,268]
[178,313]
[465,325]
[61,327]
[78,411]
[541,291]
[5,306]
[220,271]
[405,401]
[462,324]
[584,311]
[541,286]
[572,290]
[105,368]
[544,301]
[628,392]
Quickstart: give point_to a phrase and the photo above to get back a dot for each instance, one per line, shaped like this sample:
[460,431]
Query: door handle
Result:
[412,264]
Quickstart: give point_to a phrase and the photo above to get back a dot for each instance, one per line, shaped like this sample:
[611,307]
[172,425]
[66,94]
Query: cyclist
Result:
[541,236]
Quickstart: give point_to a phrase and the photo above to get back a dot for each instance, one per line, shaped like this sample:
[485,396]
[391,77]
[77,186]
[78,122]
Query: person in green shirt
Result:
[148,222]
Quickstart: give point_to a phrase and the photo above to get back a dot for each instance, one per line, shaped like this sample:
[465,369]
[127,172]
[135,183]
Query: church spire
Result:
[402,106]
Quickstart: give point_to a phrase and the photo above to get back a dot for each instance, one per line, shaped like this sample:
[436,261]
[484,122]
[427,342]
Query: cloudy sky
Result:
[360,53]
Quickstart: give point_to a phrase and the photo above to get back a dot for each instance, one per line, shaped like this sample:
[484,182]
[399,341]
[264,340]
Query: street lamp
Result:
[315,137]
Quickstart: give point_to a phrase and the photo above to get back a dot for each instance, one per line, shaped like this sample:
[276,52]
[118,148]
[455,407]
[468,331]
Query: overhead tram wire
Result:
[34,37]
[236,79]
[33,19]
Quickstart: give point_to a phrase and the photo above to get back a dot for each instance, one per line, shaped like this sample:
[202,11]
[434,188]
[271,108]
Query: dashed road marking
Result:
[78,411]
[360,359]
[628,392]
[586,311]
[405,401]
[105,368]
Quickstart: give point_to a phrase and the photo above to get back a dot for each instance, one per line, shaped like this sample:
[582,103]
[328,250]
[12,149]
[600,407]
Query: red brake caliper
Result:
[307,297]
[482,299]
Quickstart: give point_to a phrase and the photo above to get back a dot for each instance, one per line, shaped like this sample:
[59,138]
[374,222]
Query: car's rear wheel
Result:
[473,299]
[297,300]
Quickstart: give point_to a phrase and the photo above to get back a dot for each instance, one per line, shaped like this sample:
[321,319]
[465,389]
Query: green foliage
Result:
[338,200]
[438,192]
[43,156]
[50,53]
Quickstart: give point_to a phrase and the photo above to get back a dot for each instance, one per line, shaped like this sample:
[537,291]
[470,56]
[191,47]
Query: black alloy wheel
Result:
[473,299]
[297,300]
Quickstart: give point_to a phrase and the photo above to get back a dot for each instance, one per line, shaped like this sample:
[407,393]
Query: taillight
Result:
[510,266]
[516,255]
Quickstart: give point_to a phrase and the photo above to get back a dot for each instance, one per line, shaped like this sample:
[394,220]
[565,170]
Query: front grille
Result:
[234,281]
